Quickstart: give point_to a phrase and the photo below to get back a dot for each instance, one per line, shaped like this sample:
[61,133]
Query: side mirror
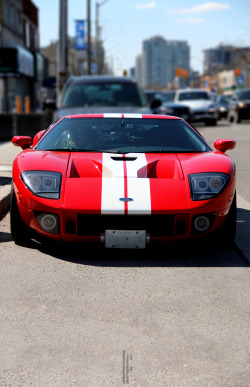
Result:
[224,145]
[155,104]
[37,137]
[50,105]
[23,141]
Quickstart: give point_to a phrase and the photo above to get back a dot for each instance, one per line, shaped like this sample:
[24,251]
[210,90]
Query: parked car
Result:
[221,104]
[239,106]
[101,94]
[199,101]
[162,103]
[124,179]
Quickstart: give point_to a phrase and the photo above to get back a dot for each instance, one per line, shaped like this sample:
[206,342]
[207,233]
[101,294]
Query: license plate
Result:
[125,239]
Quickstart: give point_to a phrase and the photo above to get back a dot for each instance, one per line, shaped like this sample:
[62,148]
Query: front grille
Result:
[181,110]
[155,225]
[200,112]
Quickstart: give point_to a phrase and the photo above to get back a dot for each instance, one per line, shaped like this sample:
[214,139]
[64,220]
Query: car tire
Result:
[227,233]
[19,231]
[213,122]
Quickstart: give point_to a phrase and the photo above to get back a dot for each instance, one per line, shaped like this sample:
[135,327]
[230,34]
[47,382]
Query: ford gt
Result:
[122,179]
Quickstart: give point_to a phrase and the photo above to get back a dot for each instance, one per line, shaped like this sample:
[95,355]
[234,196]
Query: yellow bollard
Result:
[18,104]
[27,104]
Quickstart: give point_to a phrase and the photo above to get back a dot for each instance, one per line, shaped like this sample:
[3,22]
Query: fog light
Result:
[48,222]
[201,223]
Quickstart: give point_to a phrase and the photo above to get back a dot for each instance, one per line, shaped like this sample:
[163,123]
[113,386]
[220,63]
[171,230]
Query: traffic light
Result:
[184,73]
[237,72]
[177,71]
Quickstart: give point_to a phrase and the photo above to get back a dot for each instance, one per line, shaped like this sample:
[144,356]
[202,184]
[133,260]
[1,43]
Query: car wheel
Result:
[213,122]
[19,231]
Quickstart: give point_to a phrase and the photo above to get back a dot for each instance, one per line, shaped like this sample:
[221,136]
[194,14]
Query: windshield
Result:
[169,96]
[193,96]
[123,135]
[244,95]
[103,94]
[163,97]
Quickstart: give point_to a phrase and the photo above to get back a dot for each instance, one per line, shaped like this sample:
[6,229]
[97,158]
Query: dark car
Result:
[239,106]
[163,103]
[221,104]
[101,94]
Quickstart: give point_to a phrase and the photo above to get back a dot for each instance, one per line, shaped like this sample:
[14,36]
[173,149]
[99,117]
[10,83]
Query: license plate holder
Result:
[125,239]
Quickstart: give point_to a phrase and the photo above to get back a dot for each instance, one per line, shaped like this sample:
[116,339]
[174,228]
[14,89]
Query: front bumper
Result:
[81,227]
[202,116]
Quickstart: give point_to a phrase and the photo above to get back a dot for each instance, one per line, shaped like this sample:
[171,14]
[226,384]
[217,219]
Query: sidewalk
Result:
[8,152]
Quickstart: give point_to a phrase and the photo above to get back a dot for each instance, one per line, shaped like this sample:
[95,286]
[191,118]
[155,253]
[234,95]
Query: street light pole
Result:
[63,44]
[89,37]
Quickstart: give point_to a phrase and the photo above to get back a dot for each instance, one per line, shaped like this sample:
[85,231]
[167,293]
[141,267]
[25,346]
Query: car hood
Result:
[197,104]
[61,112]
[134,183]
[174,105]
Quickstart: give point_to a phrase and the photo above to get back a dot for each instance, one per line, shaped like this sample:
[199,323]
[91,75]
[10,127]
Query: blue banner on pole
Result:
[80,35]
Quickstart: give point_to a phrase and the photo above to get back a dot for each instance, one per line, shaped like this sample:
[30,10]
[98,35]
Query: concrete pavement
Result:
[8,152]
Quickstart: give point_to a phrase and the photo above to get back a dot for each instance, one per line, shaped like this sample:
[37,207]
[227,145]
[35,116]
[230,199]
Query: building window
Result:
[6,11]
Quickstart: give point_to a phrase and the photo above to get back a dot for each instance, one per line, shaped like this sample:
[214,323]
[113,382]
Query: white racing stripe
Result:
[138,188]
[119,180]
[112,185]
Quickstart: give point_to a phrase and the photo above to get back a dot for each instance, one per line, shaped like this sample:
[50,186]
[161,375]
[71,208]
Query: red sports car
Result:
[122,179]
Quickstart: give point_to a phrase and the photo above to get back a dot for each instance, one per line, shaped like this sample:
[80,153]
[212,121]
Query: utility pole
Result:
[89,37]
[63,44]
[97,37]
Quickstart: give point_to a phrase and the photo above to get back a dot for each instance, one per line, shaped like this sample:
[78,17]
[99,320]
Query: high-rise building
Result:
[223,58]
[160,58]
[178,56]
[154,62]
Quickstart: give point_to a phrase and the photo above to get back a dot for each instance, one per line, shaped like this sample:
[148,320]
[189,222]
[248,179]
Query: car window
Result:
[169,96]
[193,96]
[223,99]
[123,135]
[244,95]
[103,94]
[163,97]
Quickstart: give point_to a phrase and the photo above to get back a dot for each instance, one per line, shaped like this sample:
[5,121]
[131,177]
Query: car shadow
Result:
[196,255]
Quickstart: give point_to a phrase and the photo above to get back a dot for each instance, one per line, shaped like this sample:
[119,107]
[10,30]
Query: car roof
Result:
[125,115]
[191,90]
[100,79]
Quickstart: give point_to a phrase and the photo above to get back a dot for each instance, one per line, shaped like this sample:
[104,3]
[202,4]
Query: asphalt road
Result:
[164,317]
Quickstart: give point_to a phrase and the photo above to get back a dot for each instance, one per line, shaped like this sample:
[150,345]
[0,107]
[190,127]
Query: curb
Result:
[4,198]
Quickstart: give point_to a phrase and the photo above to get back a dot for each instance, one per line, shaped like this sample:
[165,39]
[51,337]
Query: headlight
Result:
[205,186]
[211,108]
[169,111]
[44,184]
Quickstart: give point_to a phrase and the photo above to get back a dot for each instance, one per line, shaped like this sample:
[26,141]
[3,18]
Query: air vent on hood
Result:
[119,158]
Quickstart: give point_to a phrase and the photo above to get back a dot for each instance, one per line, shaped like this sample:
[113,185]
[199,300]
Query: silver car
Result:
[202,107]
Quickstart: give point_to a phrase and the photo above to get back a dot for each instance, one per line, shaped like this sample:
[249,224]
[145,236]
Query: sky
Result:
[125,24]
